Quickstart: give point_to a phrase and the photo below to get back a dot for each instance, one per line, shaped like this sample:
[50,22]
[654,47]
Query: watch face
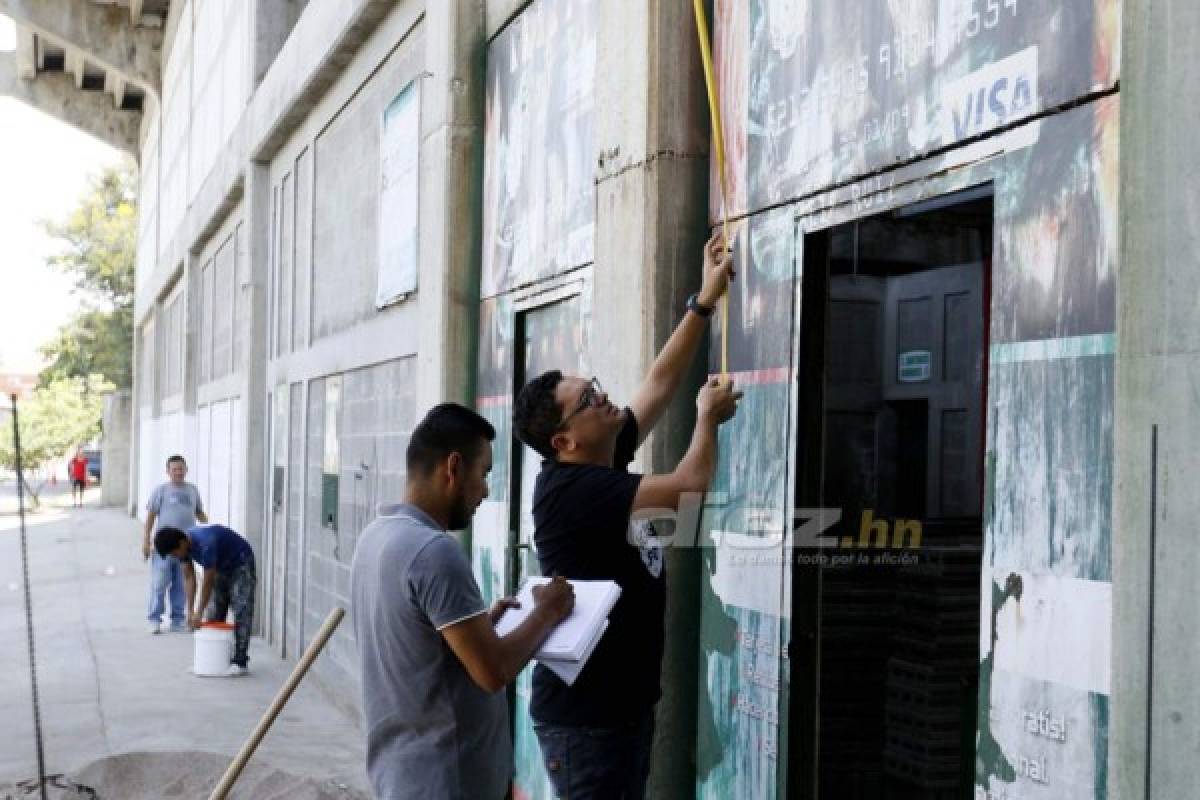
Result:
[693,303]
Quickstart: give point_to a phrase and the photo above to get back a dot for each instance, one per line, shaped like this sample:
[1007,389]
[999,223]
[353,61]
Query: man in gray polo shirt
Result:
[432,665]
[174,504]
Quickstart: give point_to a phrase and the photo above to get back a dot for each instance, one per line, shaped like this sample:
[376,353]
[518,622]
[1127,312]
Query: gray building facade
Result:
[964,319]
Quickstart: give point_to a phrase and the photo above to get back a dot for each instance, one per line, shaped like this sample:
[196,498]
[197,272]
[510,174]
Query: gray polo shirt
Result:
[176,506]
[431,731]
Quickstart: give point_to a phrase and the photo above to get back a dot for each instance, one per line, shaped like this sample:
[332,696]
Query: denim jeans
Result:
[165,573]
[609,763]
[235,592]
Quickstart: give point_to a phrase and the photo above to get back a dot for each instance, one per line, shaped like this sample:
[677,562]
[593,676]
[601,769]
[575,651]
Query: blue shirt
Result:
[215,546]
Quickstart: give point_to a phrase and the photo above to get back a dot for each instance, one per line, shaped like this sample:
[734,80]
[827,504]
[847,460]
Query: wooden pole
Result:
[281,698]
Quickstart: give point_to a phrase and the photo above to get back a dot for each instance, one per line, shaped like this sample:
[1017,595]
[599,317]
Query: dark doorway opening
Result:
[885,624]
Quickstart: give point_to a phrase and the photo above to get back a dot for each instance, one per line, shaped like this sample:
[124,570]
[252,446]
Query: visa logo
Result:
[991,96]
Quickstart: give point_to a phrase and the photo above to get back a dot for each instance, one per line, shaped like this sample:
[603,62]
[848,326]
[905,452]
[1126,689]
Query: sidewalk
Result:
[108,687]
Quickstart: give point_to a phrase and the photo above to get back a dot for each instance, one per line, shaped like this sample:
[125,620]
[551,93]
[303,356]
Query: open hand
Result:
[718,270]
[557,597]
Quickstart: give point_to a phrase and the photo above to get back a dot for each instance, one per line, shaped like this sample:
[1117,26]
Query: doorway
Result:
[550,334]
[885,638]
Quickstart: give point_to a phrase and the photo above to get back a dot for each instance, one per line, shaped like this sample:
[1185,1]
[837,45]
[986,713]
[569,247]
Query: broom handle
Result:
[281,698]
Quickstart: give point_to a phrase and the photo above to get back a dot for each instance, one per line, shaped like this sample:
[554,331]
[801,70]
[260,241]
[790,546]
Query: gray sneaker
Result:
[236,671]
[154,628]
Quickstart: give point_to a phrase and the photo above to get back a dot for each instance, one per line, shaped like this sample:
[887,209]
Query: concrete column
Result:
[193,328]
[135,434]
[651,200]
[257,229]
[118,422]
[451,219]
[1155,713]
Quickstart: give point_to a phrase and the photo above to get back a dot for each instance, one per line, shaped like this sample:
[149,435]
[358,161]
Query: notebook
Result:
[571,643]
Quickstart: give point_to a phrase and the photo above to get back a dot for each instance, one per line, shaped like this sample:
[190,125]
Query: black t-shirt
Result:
[581,513]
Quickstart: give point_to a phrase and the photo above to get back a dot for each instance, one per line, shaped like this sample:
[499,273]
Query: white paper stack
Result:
[569,646]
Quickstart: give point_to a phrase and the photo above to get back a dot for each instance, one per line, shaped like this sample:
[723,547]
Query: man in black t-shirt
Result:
[596,734]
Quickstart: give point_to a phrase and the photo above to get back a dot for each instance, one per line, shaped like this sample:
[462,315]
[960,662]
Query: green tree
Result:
[98,247]
[60,416]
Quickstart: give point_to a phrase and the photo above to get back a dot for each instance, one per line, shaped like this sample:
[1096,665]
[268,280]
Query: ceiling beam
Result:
[54,93]
[26,54]
[73,65]
[114,84]
[101,32]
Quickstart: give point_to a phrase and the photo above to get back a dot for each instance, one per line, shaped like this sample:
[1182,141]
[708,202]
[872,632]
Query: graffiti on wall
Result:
[816,94]
[539,193]
[743,629]
[803,120]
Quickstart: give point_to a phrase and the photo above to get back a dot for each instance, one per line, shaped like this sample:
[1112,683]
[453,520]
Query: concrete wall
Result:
[258,270]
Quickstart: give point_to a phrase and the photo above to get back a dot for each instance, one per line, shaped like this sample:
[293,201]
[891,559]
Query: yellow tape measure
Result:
[718,140]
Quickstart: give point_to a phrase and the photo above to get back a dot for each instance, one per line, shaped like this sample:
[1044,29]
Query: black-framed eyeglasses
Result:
[588,398]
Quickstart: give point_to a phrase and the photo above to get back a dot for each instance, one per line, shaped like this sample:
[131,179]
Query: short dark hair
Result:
[167,540]
[447,428]
[175,458]
[536,415]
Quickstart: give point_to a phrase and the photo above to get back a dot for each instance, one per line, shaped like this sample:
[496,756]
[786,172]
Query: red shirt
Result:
[78,468]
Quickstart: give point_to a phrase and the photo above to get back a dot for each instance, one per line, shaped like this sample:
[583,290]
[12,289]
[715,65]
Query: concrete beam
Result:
[135,11]
[73,66]
[54,93]
[101,32]
[114,85]
[324,40]
[25,54]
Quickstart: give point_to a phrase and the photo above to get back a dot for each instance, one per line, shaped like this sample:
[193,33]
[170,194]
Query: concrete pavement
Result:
[108,687]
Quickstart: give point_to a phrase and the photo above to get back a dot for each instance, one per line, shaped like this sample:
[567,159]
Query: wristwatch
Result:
[693,304]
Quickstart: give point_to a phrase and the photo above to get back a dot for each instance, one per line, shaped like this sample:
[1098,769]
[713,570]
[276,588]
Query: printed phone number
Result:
[913,47]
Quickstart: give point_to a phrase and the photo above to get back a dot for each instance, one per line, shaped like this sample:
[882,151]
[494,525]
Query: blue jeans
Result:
[609,763]
[165,573]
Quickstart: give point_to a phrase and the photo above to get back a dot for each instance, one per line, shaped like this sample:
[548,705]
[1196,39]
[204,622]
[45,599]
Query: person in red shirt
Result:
[77,468]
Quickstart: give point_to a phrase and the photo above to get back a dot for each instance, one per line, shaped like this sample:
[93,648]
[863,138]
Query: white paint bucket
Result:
[213,649]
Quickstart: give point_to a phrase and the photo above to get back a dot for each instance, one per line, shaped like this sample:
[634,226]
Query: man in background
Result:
[230,578]
[174,504]
[77,470]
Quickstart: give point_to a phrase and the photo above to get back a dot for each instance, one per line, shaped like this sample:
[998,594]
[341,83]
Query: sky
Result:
[44,170]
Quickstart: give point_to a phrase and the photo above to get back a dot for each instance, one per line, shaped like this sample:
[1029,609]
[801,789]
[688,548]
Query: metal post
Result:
[37,717]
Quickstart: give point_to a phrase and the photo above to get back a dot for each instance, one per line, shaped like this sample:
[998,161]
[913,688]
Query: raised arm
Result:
[716,403]
[666,374]
[492,661]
